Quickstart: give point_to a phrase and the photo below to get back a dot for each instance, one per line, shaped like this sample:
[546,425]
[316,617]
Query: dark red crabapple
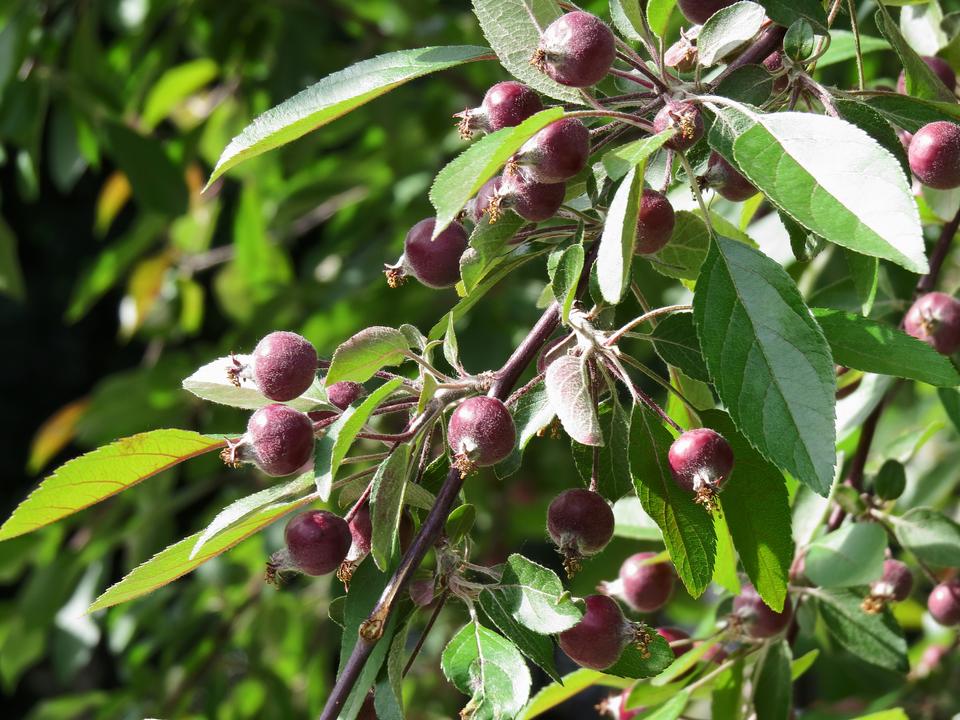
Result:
[343,394]
[368,710]
[716,654]
[533,201]
[279,440]
[944,603]
[897,581]
[580,523]
[576,49]
[941,68]
[505,104]
[726,180]
[435,263]
[645,586]
[672,634]
[699,11]
[481,433]
[700,461]
[774,64]
[361,531]
[317,541]
[556,153]
[284,365]
[934,155]
[598,640]
[935,319]
[655,223]
[683,116]
[755,618]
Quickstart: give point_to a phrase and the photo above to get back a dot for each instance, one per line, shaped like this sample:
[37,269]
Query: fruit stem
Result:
[641,67]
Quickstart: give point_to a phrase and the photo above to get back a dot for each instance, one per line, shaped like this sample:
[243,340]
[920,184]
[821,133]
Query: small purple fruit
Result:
[944,603]
[343,394]
[435,263]
[317,541]
[655,223]
[941,68]
[774,65]
[896,582]
[280,440]
[368,710]
[284,365]
[756,619]
[505,104]
[726,180]
[533,201]
[935,155]
[699,11]
[481,433]
[685,118]
[701,461]
[672,634]
[556,153]
[646,586]
[576,50]
[580,523]
[598,640]
[935,319]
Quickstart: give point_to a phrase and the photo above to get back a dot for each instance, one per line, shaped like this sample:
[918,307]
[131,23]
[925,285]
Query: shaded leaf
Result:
[675,339]
[569,390]
[774,692]
[875,638]
[386,505]
[930,535]
[849,556]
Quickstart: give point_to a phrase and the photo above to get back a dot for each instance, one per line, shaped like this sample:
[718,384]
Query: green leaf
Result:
[675,339]
[531,414]
[213,383]
[488,248]
[683,256]
[774,692]
[849,556]
[336,95]
[687,528]
[174,562]
[613,462]
[763,539]
[619,161]
[875,125]
[921,81]
[627,17]
[569,390]
[173,87]
[11,277]
[460,523]
[786,12]
[619,237]
[684,662]
[875,638]
[558,692]
[799,667]
[864,344]
[930,535]
[566,277]
[634,664]
[512,27]
[725,568]
[462,177]
[843,47]
[104,472]
[865,273]
[671,709]
[728,29]
[768,359]
[158,184]
[803,164]
[726,700]
[750,84]
[490,670]
[386,505]
[658,15]
[911,113]
[950,399]
[535,597]
[359,358]
[646,695]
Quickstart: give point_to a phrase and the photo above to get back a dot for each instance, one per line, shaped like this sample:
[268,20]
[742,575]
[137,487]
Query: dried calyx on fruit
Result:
[505,104]
[533,201]
[685,118]
[944,603]
[361,534]
[699,11]
[279,440]
[602,634]
[282,366]
[935,319]
[644,583]
[480,433]
[555,154]
[894,586]
[576,49]
[725,179]
[752,617]
[435,262]
[941,68]
[655,223]
[701,461]
[317,542]
[682,55]
[934,155]
[580,523]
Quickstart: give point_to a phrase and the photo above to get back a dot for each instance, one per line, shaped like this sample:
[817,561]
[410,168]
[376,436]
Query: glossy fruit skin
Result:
[935,319]
[556,153]
[944,603]
[700,456]
[531,200]
[655,223]
[597,641]
[941,68]
[896,582]
[317,541]
[480,204]
[284,365]
[774,64]
[758,620]
[482,428]
[646,586]
[726,180]
[282,439]
[699,11]
[577,49]
[580,519]
[934,155]
[343,394]
[686,118]
[509,103]
[435,263]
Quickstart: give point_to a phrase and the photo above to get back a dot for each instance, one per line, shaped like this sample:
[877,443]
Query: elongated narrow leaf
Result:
[843,47]
[569,389]
[828,175]
[104,472]
[386,505]
[864,344]
[371,349]
[558,692]
[462,177]
[911,113]
[619,237]
[774,692]
[620,161]
[930,535]
[336,95]
[728,29]
[687,528]
[173,87]
[658,15]
[849,556]
[213,383]
[174,562]
[768,359]
[566,277]
[627,16]
[921,81]
[875,638]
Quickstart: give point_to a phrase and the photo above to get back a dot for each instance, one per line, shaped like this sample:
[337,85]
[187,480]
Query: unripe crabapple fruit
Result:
[944,603]
[774,65]
[317,541]
[343,394]
[556,153]
[726,180]
[699,11]
[434,262]
[598,640]
[896,582]
[576,49]
[755,618]
[935,319]
[533,201]
[580,523]
[683,116]
[934,155]
[481,433]
[700,461]
[655,223]
[505,104]
[941,68]
[645,586]
[279,440]
[284,365]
